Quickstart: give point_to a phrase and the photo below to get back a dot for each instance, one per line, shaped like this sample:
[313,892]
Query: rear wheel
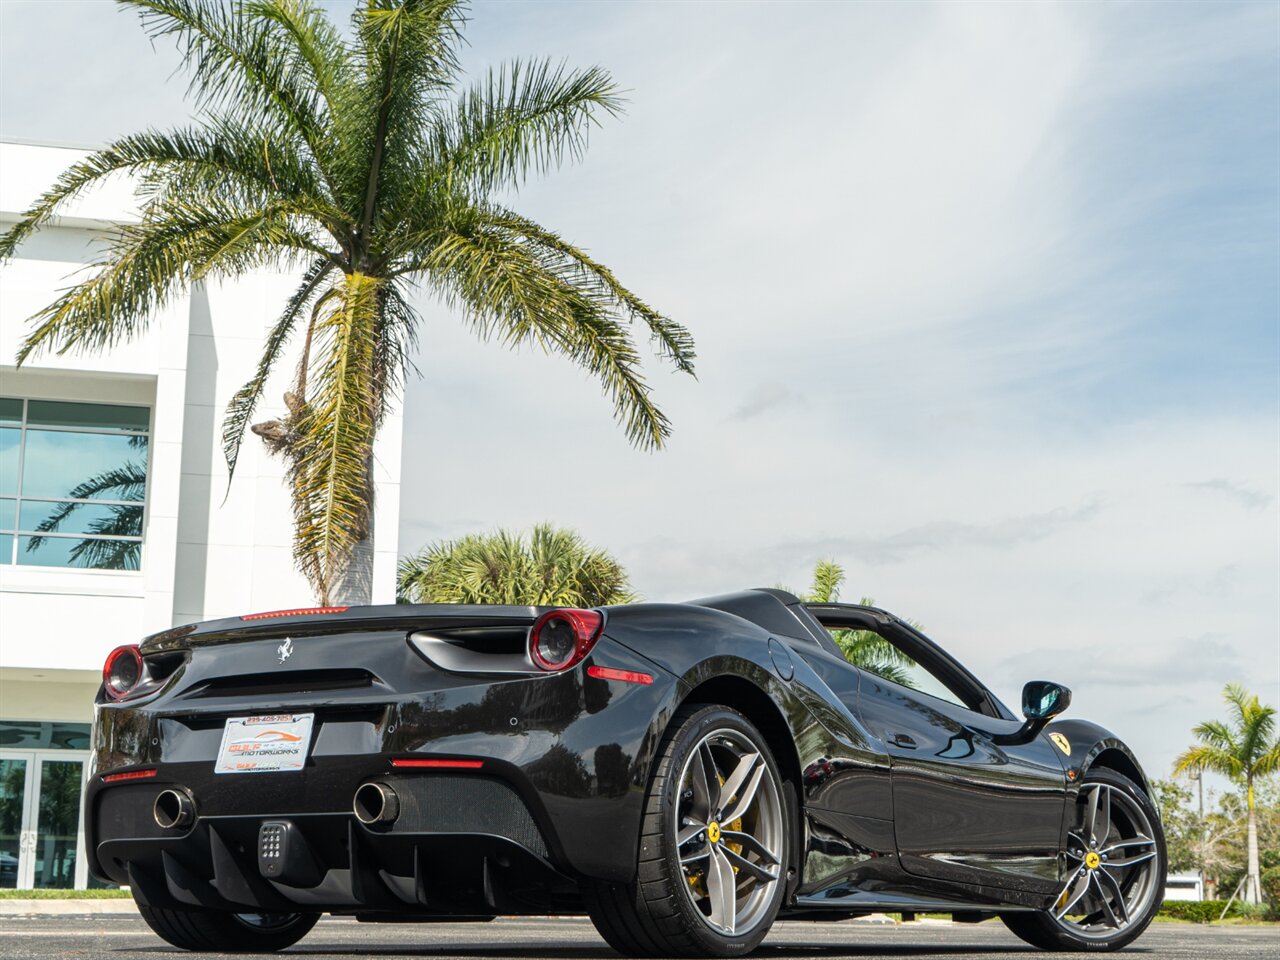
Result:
[1115,871]
[209,930]
[714,846]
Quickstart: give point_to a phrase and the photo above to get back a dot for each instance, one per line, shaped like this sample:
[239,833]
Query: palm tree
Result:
[553,567]
[360,160]
[1242,750]
[863,648]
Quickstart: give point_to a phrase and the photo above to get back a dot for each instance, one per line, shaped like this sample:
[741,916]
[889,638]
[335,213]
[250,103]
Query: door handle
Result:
[902,740]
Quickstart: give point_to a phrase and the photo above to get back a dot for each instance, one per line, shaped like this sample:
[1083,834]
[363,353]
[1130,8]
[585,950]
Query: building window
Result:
[73,481]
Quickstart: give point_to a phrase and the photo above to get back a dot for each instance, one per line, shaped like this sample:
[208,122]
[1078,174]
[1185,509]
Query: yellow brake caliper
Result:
[714,832]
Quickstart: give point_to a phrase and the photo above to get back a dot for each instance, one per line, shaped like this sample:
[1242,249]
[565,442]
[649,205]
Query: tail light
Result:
[562,638]
[123,671]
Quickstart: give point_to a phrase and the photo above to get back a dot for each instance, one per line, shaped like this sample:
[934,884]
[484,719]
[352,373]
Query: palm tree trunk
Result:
[355,588]
[1253,886]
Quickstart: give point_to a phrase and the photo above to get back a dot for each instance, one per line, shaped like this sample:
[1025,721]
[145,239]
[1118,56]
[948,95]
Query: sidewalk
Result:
[123,906]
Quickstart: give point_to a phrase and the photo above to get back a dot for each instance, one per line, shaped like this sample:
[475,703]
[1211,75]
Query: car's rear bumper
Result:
[557,797]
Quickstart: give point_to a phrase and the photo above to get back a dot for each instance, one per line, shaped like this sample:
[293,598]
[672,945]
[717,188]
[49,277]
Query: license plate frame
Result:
[270,743]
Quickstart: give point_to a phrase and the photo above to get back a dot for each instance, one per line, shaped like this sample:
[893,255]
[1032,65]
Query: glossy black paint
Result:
[903,801]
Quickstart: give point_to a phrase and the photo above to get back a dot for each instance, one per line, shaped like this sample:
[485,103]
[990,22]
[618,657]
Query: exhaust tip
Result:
[375,803]
[173,810]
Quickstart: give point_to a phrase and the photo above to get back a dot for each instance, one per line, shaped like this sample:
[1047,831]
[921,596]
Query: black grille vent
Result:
[451,804]
[278,684]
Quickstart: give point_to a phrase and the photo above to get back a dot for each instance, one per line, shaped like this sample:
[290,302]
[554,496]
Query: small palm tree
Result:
[863,648]
[1243,749]
[552,567]
[357,159]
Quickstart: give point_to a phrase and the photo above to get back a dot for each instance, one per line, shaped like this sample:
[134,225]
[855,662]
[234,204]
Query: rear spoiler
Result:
[330,620]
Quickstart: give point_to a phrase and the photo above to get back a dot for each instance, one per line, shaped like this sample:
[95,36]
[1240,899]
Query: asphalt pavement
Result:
[574,939]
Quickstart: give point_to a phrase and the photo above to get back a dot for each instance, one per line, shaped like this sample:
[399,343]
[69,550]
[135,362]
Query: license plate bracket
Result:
[273,743]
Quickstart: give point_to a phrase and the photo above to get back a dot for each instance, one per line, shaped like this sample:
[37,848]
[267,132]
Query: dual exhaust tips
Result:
[373,803]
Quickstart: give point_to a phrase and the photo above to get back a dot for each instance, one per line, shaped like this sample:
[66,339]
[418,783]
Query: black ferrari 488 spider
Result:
[684,774]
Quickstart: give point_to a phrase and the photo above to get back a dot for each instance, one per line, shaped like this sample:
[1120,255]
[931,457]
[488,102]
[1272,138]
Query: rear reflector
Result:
[422,763]
[129,775]
[626,676]
[300,612]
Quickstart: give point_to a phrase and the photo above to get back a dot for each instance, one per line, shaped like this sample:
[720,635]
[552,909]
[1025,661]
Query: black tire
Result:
[655,915]
[1040,929]
[208,930]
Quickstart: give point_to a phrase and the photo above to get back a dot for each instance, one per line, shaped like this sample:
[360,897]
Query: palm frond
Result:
[242,406]
[506,290]
[827,578]
[1214,759]
[410,62]
[674,342]
[149,263]
[524,118]
[334,431]
[240,62]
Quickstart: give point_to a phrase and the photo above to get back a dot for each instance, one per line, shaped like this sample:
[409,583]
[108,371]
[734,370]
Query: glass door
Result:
[41,840]
[56,860]
[15,773]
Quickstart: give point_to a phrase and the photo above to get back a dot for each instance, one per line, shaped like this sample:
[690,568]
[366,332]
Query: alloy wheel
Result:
[729,831]
[1112,860]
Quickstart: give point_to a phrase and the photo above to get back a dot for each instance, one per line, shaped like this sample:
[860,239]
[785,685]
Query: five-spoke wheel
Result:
[729,830]
[1114,871]
[714,846]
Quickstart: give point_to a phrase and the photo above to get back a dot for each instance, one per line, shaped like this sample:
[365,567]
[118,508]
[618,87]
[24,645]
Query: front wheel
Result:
[1115,871]
[714,846]
[209,930]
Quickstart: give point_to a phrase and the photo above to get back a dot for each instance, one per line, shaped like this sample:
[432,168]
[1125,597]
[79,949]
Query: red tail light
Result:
[122,672]
[423,763]
[129,775]
[562,638]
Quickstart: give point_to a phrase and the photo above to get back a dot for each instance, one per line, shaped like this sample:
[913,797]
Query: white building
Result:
[163,541]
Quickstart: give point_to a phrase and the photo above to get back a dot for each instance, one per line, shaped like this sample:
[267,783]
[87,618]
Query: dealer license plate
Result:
[271,744]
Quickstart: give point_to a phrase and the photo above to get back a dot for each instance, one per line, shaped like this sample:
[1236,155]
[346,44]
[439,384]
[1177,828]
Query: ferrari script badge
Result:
[285,649]
[1061,742]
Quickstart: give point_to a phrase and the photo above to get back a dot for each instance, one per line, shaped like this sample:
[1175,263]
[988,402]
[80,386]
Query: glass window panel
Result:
[869,651]
[93,416]
[6,548]
[8,513]
[108,519]
[86,553]
[9,439]
[84,465]
[10,410]
[43,735]
[13,792]
[58,822]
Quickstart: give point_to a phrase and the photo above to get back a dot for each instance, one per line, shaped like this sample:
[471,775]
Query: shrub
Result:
[1197,911]
[1271,887]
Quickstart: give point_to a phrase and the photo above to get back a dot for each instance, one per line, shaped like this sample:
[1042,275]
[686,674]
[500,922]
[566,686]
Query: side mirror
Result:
[1042,700]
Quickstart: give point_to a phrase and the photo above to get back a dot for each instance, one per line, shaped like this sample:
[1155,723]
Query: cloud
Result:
[764,398]
[978,291]
[937,535]
[1247,497]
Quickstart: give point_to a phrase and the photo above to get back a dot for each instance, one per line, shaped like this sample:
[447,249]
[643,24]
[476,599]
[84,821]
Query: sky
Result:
[987,307]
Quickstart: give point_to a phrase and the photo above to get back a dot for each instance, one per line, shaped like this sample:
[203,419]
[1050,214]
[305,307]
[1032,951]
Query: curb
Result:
[68,908]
